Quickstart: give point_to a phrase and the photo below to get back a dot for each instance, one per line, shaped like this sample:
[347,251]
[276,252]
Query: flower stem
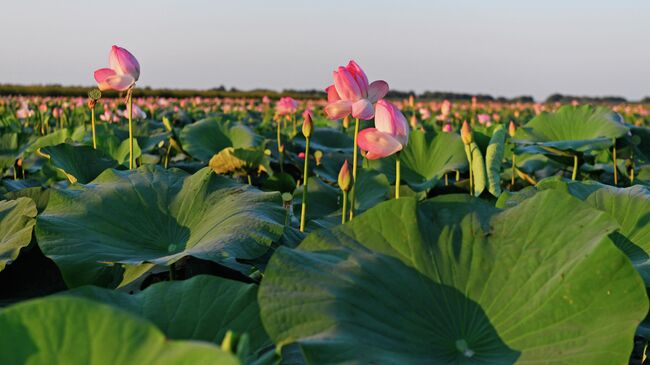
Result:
[354,166]
[92,123]
[514,164]
[574,175]
[172,268]
[130,105]
[305,189]
[345,206]
[293,118]
[397,176]
[614,158]
[279,141]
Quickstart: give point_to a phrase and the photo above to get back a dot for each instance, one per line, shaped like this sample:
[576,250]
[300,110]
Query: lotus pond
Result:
[353,230]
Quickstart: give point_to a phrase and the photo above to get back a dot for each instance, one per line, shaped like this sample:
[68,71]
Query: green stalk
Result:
[614,158]
[130,104]
[279,140]
[354,166]
[92,123]
[574,175]
[345,206]
[293,118]
[172,267]
[514,163]
[305,186]
[397,176]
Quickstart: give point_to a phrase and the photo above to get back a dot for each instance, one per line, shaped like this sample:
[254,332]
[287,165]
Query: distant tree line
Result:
[223,92]
[559,98]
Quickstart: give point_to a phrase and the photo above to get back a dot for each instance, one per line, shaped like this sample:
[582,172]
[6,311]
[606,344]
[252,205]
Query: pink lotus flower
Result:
[483,118]
[124,71]
[390,134]
[286,106]
[445,108]
[351,93]
[447,128]
[137,112]
[301,155]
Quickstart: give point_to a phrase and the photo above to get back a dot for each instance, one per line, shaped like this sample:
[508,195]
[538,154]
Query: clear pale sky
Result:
[501,47]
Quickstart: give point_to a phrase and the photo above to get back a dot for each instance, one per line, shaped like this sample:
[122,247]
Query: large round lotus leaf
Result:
[9,149]
[16,224]
[73,331]
[57,137]
[425,160]
[571,128]
[207,137]
[630,207]
[79,163]
[455,281]
[157,216]
[202,308]
[327,139]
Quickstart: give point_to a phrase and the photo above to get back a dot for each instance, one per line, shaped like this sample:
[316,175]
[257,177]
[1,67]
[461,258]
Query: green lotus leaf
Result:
[9,149]
[64,330]
[207,137]
[155,216]
[57,137]
[456,281]
[473,153]
[630,207]
[79,163]
[327,139]
[201,308]
[493,159]
[425,160]
[17,219]
[571,128]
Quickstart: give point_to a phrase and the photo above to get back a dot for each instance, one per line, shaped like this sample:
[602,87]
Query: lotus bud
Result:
[512,129]
[346,121]
[466,133]
[307,126]
[413,121]
[318,156]
[281,148]
[345,179]
[411,101]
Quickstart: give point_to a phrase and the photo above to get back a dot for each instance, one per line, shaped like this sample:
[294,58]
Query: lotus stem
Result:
[92,124]
[457,175]
[279,141]
[614,160]
[355,152]
[446,179]
[250,182]
[345,206]
[305,189]
[398,176]
[293,119]
[574,175]
[514,164]
[172,268]
[167,153]
[130,106]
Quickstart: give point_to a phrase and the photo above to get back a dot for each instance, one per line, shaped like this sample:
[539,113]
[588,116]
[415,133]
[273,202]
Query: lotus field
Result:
[356,229]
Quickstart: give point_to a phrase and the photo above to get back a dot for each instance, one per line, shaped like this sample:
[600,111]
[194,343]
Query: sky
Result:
[500,47]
